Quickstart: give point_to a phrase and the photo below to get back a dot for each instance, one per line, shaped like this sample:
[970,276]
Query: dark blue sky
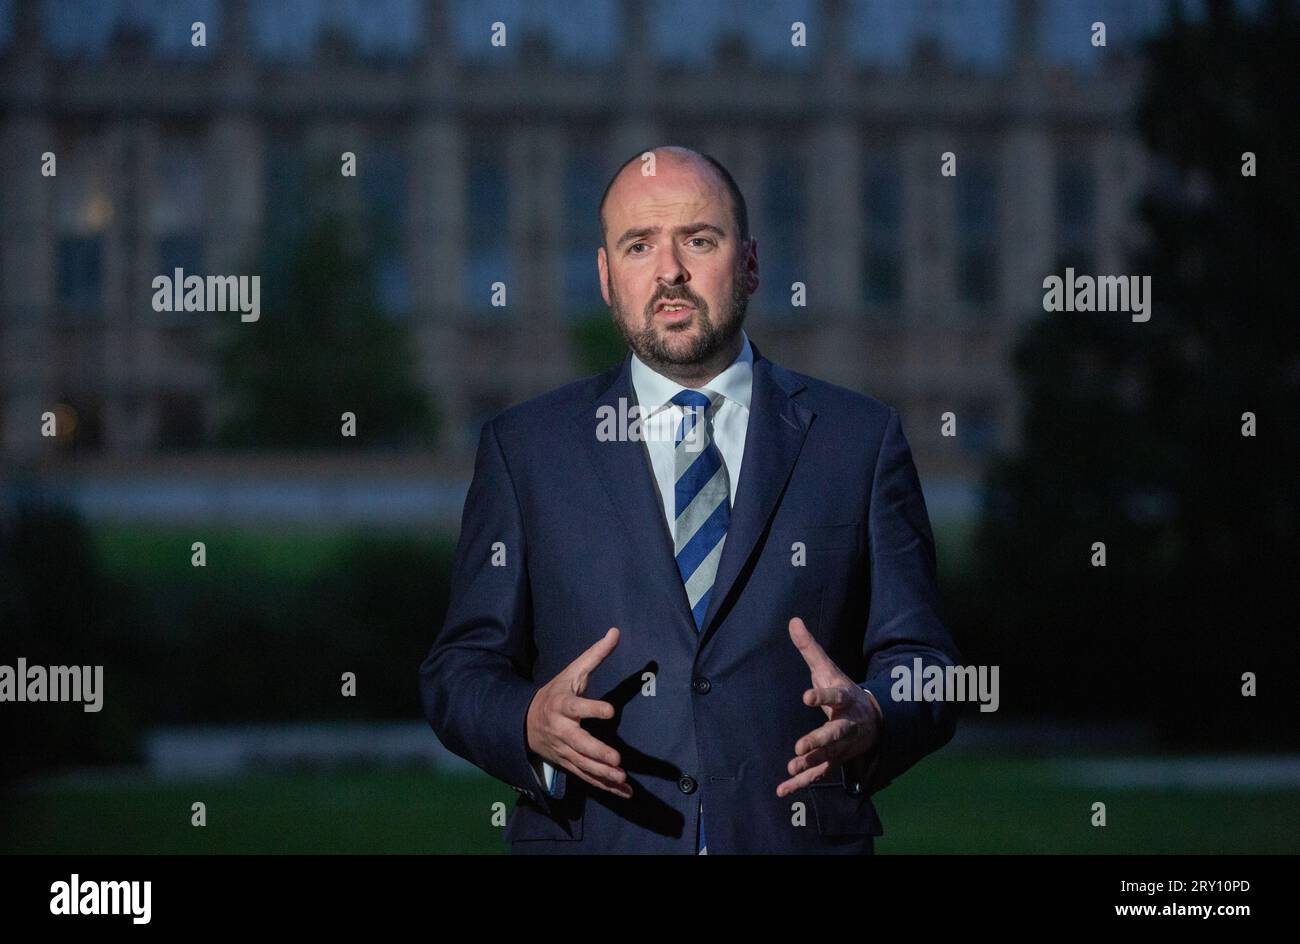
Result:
[973,32]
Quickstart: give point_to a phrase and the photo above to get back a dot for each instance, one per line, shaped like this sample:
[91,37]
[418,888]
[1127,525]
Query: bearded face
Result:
[661,337]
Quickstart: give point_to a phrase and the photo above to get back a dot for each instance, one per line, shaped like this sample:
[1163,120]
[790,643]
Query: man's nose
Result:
[670,269]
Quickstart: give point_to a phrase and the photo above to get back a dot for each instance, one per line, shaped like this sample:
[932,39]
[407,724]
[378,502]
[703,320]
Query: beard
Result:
[664,345]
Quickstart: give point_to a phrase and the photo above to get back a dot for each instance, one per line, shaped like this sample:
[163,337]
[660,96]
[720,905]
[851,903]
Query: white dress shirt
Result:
[660,420]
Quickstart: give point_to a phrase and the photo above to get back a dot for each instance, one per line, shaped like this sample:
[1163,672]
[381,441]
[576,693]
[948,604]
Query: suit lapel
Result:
[773,439]
[625,471]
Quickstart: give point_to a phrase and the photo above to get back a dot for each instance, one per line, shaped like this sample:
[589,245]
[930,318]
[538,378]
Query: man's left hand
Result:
[854,724]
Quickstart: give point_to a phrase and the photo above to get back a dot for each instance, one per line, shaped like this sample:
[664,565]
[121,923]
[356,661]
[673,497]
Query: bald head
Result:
[711,173]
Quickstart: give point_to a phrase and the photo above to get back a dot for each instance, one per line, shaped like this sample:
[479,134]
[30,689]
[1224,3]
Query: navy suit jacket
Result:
[710,714]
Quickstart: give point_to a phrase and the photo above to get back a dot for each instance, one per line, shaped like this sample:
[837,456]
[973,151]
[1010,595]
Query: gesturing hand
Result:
[855,722]
[554,729]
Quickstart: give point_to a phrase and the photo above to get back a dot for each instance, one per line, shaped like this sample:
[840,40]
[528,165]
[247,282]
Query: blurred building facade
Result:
[488,163]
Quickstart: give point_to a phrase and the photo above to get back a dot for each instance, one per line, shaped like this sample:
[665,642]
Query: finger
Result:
[828,733]
[798,782]
[834,754]
[596,773]
[575,706]
[830,697]
[595,653]
[592,766]
[623,790]
[579,740]
[809,648]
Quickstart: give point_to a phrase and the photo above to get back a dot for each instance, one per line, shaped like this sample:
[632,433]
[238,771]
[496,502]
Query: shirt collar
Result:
[654,390]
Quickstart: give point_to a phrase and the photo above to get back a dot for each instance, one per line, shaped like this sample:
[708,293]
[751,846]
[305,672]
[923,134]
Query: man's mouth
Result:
[674,311]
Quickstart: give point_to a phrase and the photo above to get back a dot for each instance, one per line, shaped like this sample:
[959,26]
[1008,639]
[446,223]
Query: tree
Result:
[321,348]
[1133,431]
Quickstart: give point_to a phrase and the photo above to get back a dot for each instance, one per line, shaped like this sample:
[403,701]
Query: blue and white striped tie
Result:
[702,510]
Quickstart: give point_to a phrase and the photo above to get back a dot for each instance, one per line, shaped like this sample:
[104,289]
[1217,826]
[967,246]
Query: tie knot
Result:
[694,399]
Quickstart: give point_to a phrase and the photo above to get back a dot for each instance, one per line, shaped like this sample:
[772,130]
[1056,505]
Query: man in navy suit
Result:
[682,585]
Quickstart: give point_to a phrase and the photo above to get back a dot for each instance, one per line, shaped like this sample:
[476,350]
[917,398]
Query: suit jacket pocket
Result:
[819,537]
[842,813]
[529,821]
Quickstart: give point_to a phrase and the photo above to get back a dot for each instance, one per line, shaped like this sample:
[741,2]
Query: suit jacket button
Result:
[855,788]
[686,784]
[701,685]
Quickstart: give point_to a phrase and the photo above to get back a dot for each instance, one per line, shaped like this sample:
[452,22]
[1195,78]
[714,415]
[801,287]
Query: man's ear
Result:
[602,266]
[751,265]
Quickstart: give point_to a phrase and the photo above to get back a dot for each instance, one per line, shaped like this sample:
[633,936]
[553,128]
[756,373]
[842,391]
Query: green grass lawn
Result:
[944,805]
[1025,806]
[153,553]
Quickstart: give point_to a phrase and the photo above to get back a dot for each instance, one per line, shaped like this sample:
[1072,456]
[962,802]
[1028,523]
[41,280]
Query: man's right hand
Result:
[554,721]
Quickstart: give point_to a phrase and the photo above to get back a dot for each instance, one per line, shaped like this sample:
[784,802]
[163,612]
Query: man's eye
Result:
[633,246]
[702,239]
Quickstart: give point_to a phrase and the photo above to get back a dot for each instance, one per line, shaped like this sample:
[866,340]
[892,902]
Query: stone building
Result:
[488,162]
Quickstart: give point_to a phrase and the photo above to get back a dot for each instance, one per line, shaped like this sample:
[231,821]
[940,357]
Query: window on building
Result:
[284,189]
[384,183]
[80,271]
[178,207]
[883,233]
[977,226]
[781,236]
[487,255]
[180,250]
[1076,213]
[583,183]
[84,212]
